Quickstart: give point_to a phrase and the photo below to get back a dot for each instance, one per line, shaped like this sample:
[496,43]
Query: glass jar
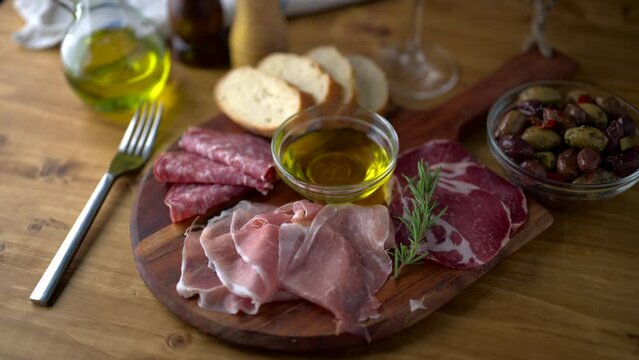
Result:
[112,57]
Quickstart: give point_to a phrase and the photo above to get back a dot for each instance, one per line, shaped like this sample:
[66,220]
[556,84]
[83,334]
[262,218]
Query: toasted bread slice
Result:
[372,85]
[340,69]
[257,101]
[304,73]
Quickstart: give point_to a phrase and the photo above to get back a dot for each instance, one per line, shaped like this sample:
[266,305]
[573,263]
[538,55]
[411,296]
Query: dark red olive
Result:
[629,125]
[611,106]
[623,164]
[567,166]
[614,131]
[515,147]
[532,108]
[512,123]
[533,167]
[557,119]
[588,160]
[578,114]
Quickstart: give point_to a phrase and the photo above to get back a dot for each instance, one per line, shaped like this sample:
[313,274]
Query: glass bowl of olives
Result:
[566,141]
[335,153]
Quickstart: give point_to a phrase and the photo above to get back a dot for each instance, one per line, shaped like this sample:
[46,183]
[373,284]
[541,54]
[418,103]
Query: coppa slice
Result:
[187,200]
[183,167]
[457,164]
[477,223]
[258,101]
[247,153]
[306,74]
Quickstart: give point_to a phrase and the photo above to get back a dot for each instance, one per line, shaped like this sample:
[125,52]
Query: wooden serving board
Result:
[300,325]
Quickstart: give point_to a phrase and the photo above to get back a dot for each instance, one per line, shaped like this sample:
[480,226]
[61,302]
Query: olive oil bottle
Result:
[113,70]
[344,156]
[112,57]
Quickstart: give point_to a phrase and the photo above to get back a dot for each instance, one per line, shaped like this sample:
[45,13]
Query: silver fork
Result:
[134,150]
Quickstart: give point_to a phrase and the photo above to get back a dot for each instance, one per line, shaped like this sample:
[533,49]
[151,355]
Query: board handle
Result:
[471,104]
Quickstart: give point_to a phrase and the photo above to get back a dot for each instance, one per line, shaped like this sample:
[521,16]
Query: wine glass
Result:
[418,70]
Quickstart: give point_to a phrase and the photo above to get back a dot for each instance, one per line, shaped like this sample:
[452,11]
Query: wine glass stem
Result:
[418,12]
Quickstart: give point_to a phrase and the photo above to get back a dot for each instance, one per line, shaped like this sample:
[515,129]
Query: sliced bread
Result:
[372,85]
[257,101]
[304,73]
[340,69]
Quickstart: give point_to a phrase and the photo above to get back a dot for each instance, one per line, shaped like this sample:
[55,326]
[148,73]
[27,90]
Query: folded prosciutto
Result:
[247,153]
[483,210]
[334,256]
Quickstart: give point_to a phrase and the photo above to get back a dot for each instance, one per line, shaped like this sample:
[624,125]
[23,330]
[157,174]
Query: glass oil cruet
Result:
[113,58]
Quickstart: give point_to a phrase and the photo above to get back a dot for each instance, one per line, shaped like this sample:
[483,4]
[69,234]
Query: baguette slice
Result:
[257,101]
[303,73]
[372,85]
[340,69]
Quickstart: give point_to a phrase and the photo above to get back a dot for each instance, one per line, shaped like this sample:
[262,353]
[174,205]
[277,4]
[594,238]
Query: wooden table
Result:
[572,293]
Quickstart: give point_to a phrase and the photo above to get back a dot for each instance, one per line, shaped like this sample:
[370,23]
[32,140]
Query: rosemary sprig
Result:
[418,218]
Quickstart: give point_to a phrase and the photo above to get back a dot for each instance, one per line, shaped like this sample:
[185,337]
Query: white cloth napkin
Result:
[46,21]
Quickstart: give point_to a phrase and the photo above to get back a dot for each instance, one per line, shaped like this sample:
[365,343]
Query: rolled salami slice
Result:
[248,153]
[184,167]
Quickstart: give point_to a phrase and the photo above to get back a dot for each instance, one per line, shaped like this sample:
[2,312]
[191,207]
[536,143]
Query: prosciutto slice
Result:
[187,200]
[254,254]
[198,278]
[247,153]
[344,253]
[483,210]
[183,167]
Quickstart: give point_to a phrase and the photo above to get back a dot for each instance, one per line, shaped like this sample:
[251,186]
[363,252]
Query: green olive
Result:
[626,143]
[586,136]
[599,176]
[596,116]
[544,94]
[512,123]
[541,139]
[546,158]
[574,95]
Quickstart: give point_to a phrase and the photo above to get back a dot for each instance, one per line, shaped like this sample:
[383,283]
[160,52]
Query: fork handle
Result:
[43,292]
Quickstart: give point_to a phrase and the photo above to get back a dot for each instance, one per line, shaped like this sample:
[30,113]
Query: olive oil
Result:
[113,70]
[343,156]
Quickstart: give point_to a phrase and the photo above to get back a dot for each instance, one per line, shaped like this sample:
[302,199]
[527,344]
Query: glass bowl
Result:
[335,153]
[545,189]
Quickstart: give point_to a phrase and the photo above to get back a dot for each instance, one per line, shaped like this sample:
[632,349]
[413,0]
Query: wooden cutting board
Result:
[302,326]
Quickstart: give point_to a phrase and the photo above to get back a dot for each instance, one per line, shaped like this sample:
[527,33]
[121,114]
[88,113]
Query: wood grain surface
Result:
[569,294]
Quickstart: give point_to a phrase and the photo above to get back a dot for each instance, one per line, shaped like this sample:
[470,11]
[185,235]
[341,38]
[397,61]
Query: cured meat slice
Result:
[477,223]
[343,252]
[198,279]
[184,167]
[242,246]
[247,153]
[457,164]
[187,200]
[252,254]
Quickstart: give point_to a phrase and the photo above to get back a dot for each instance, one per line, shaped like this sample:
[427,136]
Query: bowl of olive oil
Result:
[335,153]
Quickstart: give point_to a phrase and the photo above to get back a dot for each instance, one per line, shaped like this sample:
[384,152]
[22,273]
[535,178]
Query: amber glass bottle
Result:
[198,36]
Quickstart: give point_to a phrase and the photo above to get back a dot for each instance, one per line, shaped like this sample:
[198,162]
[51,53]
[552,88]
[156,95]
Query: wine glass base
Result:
[418,73]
